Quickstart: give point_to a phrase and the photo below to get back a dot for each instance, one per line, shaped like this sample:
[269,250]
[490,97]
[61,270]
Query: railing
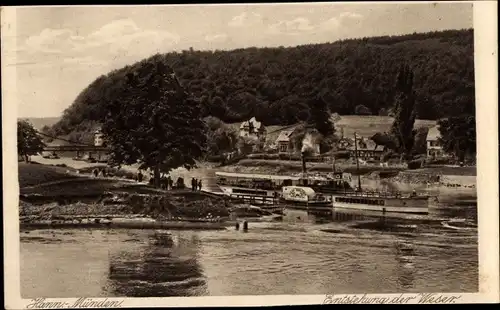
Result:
[251,185]
[253,199]
[368,194]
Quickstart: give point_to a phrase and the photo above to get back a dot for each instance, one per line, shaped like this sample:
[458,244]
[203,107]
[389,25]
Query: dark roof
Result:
[366,145]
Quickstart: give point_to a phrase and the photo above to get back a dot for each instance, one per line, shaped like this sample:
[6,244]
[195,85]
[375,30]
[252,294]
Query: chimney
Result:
[304,171]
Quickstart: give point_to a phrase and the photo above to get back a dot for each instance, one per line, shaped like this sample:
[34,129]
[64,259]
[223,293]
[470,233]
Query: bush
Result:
[383,112]
[215,158]
[415,164]
[263,156]
[441,161]
[362,110]
[271,151]
[343,155]
[390,155]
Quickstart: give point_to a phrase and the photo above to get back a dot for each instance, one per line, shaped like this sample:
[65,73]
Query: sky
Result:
[58,51]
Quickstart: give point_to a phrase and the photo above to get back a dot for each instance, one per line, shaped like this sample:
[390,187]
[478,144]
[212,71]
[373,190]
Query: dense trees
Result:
[154,121]
[458,135]
[284,86]
[29,141]
[277,84]
[220,137]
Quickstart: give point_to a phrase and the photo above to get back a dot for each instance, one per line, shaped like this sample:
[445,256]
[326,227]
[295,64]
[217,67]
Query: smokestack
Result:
[304,164]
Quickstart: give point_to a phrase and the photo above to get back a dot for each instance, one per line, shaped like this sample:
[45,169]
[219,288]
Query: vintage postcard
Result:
[250,154]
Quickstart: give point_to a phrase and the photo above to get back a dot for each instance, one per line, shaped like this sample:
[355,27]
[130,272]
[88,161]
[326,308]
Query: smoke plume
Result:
[307,144]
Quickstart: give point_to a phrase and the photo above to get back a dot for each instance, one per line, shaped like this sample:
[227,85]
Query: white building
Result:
[252,129]
[434,148]
[98,138]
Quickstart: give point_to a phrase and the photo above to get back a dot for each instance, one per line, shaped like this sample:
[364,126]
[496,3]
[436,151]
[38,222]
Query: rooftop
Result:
[256,125]
[284,136]
[433,133]
[364,144]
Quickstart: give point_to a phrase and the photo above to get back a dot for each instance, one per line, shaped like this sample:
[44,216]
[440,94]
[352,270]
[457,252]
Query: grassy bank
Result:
[32,174]
[49,193]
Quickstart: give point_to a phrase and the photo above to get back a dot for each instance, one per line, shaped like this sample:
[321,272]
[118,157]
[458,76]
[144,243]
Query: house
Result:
[366,149]
[283,141]
[99,141]
[434,148]
[98,138]
[252,129]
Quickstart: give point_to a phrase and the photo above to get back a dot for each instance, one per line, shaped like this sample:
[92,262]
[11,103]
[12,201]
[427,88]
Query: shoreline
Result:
[128,224]
[99,202]
[425,179]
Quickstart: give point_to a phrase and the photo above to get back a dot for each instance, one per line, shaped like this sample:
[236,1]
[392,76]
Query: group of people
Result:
[100,172]
[195,184]
[167,183]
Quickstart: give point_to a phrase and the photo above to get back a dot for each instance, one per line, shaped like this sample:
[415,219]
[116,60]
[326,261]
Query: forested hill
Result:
[353,76]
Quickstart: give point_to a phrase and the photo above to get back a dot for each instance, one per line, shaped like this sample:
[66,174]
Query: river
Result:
[298,255]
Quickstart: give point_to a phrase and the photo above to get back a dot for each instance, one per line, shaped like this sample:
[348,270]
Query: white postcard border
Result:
[486,68]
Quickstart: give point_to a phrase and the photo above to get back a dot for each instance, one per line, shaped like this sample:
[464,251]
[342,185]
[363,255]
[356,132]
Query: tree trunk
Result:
[157,176]
[26,159]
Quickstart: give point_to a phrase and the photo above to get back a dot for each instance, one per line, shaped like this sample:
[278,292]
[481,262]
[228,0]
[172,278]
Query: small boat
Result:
[304,198]
[459,224]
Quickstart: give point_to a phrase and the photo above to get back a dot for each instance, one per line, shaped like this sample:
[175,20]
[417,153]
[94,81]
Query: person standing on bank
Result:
[169,182]
[193,184]
[199,185]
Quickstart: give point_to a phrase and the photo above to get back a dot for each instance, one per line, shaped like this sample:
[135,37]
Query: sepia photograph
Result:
[244,150]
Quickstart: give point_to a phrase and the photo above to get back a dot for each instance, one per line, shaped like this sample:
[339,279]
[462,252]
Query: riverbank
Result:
[51,195]
[293,166]
[290,166]
[446,179]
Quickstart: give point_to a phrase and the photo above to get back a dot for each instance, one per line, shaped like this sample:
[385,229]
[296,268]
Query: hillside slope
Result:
[276,84]
[40,122]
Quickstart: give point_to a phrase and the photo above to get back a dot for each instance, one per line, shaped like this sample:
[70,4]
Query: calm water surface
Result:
[296,256]
[271,258]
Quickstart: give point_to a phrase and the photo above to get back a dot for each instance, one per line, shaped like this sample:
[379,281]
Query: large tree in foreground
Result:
[154,121]
[29,141]
[458,135]
[404,112]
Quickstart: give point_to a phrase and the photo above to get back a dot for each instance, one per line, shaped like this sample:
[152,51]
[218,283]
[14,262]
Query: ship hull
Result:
[409,205]
[382,209]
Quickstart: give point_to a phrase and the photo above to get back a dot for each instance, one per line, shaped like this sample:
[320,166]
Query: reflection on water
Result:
[166,266]
[290,257]
[404,257]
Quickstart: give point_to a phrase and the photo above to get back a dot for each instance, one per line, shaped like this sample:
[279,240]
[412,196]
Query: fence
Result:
[253,199]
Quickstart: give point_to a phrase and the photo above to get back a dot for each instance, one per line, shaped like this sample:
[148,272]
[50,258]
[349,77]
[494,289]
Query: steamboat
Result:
[308,192]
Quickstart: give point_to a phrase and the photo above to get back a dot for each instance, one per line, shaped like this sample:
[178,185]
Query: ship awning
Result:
[255,176]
